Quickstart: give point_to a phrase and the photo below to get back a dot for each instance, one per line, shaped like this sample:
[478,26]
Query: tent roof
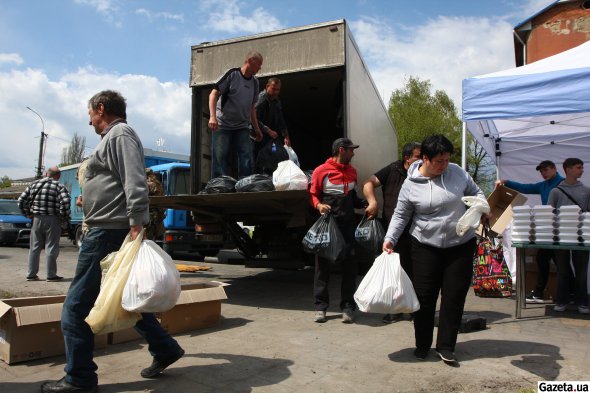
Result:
[532,113]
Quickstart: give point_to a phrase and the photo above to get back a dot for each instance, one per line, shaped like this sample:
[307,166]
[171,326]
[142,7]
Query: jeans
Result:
[222,142]
[444,270]
[80,368]
[45,233]
[580,260]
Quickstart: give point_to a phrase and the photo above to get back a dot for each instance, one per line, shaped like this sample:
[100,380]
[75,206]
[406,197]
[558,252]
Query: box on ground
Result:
[501,201]
[30,329]
[199,306]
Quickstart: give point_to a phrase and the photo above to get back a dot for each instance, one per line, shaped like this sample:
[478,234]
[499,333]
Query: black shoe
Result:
[421,353]
[533,297]
[160,365]
[33,278]
[391,318]
[55,278]
[447,356]
[63,386]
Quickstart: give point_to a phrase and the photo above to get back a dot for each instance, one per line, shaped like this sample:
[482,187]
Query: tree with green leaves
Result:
[74,153]
[5,182]
[417,112]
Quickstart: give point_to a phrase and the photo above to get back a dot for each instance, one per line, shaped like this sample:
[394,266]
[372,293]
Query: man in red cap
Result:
[333,190]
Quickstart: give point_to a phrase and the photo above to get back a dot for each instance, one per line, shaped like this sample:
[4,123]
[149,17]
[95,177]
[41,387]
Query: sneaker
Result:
[446,356]
[421,353]
[391,318]
[583,310]
[33,278]
[535,298]
[560,307]
[158,366]
[320,317]
[55,278]
[347,315]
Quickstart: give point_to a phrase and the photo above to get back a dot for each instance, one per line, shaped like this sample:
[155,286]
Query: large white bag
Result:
[386,288]
[288,176]
[154,282]
[472,217]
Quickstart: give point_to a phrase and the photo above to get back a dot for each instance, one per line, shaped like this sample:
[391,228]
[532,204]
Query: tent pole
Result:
[464,147]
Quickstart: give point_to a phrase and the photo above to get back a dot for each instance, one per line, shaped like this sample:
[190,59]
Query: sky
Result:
[56,54]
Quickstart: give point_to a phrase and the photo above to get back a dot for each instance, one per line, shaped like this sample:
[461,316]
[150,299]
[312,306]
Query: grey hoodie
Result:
[578,191]
[434,206]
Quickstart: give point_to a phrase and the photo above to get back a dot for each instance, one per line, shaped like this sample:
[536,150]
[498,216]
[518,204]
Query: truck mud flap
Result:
[241,239]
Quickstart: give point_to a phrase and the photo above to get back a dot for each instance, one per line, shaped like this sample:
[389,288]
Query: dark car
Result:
[15,229]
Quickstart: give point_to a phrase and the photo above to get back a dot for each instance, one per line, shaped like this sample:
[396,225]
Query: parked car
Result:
[15,229]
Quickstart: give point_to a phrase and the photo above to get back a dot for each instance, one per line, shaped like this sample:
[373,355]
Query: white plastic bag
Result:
[386,288]
[154,282]
[292,155]
[471,218]
[288,176]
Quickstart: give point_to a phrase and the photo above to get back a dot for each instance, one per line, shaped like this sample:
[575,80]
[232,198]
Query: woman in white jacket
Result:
[442,261]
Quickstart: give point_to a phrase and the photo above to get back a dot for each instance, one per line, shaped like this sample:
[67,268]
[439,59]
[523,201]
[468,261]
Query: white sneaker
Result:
[583,310]
[320,317]
[560,307]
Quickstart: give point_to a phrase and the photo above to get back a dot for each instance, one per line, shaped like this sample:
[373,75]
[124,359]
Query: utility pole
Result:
[39,173]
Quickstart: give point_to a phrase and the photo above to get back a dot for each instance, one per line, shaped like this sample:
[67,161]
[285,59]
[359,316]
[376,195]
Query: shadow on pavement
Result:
[537,358]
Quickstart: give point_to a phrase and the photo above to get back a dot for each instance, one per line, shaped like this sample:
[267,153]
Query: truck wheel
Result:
[78,236]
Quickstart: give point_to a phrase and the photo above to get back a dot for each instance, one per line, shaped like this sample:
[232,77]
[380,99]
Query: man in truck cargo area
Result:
[47,202]
[115,203]
[231,109]
[551,179]
[333,190]
[391,179]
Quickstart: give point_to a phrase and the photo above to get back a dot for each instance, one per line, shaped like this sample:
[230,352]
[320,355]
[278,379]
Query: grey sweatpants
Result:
[45,233]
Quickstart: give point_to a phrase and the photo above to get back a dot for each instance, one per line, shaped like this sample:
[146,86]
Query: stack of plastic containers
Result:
[569,224]
[522,227]
[543,222]
[585,228]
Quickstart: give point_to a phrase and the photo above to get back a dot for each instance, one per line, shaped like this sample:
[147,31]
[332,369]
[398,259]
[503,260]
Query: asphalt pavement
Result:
[267,342]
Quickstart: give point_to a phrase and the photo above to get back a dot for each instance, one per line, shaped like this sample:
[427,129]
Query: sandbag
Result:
[369,234]
[255,183]
[107,315]
[386,288]
[220,185]
[288,176]
[154,282]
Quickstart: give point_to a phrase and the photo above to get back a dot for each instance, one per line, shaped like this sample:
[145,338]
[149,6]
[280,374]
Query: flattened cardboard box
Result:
[501,201]
[30,329]
[198,307]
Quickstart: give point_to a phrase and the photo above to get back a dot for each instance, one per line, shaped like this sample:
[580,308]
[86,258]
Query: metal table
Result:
[521,268]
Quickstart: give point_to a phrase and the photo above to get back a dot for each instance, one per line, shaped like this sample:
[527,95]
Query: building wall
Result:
[560,28]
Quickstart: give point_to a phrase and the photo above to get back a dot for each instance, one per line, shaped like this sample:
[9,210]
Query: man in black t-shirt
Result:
[391,179]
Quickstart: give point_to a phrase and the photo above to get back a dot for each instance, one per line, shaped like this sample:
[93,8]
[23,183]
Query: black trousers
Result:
[544,256]
[444,270]
[321,293]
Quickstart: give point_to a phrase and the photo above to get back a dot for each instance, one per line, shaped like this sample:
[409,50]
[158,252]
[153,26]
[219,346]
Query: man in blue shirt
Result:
[551,179]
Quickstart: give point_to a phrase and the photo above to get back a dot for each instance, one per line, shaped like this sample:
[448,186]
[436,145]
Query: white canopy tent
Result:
[540,111]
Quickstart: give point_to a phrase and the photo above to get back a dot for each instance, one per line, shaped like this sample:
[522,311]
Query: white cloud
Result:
[227,16]
[11,58]
[108,8]
[155,109]
[151,16]
[444,50]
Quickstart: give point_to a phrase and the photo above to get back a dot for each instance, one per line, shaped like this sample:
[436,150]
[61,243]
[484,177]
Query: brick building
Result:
[560,26]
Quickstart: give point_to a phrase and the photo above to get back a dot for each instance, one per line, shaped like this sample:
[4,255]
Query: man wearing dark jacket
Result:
[333,191]
[391,178]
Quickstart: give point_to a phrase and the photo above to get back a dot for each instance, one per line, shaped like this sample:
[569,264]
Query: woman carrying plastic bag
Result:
[386,288]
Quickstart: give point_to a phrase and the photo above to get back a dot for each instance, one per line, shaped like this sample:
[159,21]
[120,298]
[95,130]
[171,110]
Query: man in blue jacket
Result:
[551,179]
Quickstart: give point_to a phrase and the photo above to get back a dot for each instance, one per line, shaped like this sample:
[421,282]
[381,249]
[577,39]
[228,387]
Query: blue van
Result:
[15,229]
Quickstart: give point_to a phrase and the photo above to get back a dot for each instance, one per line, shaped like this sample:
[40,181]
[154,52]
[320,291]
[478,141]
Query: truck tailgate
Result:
[251,208]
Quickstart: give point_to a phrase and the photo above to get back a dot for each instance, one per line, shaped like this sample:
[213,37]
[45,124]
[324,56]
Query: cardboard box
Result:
[199,306]
[30,329]
[501,201]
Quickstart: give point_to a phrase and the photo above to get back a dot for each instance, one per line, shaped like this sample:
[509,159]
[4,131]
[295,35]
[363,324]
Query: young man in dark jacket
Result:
[333,190]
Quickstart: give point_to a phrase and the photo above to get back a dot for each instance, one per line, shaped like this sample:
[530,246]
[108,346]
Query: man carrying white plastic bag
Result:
[154,282]
[386,288]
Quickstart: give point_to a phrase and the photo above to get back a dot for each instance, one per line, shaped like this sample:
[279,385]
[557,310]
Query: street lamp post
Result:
[41,145]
